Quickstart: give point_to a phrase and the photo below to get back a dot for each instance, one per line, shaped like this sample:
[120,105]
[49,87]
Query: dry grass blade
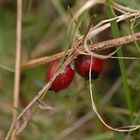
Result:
[44,106]
[26,118]
[86,6]
[83,8]
[17,64]
[126,9]
[7,68]
[128,128]
[98,28]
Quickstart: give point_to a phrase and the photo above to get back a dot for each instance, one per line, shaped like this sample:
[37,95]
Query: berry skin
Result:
[82,66]
[63,80]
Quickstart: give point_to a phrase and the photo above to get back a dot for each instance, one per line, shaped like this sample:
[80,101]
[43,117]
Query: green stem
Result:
[115,32]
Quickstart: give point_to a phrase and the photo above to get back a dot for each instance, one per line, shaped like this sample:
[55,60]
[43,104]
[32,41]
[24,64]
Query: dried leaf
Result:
[25,119]
[44,106]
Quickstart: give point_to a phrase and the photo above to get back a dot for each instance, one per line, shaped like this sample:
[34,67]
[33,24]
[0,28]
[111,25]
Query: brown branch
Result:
[99,46]
[17,64]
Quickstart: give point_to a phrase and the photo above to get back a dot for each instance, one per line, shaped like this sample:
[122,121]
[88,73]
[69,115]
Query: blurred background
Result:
[45,24]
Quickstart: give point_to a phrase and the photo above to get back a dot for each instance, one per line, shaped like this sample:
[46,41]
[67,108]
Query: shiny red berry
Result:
[63,80]
[82,66]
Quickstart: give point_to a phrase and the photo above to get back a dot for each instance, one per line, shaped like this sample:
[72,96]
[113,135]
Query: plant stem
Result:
[17,65]
[115,32]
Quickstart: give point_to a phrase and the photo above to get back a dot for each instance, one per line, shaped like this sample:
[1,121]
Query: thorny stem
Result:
[96,47]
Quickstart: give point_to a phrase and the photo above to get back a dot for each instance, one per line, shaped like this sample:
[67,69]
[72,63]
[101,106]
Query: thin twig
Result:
[17,64]
[99,46]
[104,24]
[86,6]
[126,9]
[7,68]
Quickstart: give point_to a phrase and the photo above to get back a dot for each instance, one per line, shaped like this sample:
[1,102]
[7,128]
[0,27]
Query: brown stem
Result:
[98,46]
[17,64]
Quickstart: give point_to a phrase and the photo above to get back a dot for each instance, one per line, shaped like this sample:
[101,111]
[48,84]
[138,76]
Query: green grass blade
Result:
[115,32]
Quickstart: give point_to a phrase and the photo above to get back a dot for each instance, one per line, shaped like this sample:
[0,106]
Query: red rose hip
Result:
[82,66]
[63,80]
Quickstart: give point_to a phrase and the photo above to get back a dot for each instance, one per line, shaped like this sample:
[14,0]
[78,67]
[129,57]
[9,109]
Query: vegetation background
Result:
[45,24]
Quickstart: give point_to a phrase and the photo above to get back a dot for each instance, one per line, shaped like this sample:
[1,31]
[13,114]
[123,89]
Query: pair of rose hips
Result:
[82,67]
